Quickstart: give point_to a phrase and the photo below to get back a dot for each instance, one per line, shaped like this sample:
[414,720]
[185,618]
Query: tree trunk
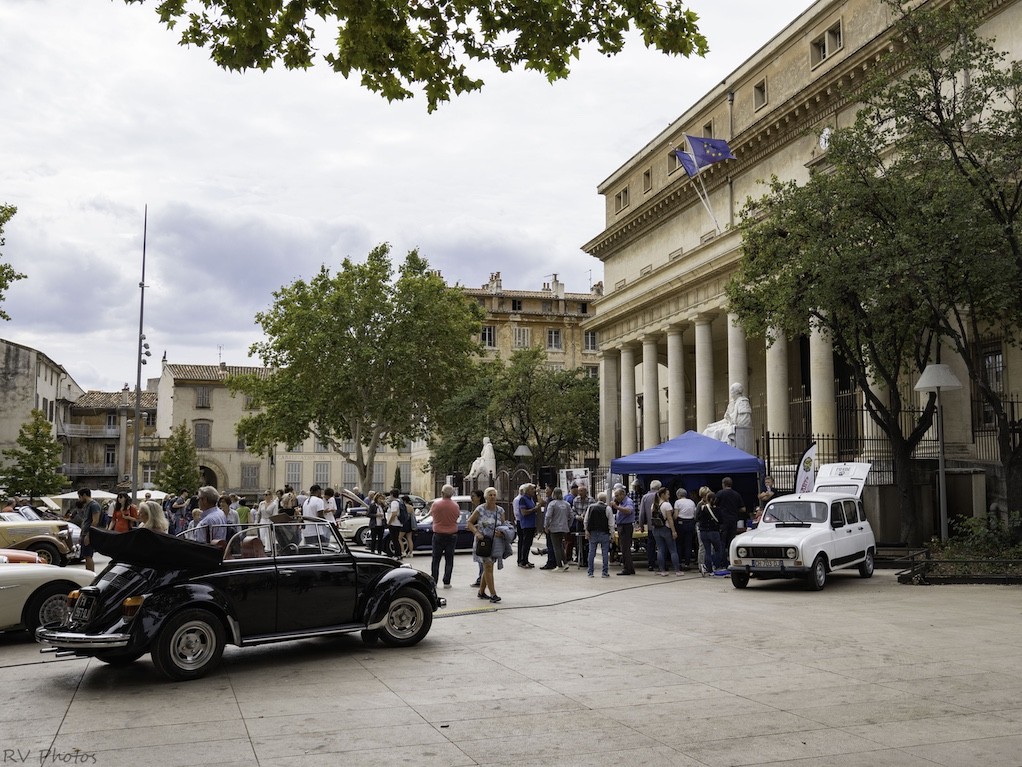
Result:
[901,452]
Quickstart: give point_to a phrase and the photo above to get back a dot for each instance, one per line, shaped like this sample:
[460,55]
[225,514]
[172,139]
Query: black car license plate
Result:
[83,608]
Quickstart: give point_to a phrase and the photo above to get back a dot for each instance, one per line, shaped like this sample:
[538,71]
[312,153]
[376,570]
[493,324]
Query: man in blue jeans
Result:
[598,524]
[524,506]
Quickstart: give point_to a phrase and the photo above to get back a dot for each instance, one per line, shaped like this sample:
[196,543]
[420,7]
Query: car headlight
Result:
[742,552]
[791,553]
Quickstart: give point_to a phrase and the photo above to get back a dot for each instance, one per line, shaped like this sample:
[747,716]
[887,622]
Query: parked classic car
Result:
[183,601]
[34,594]
[36,514]
[809,535]
[50,540]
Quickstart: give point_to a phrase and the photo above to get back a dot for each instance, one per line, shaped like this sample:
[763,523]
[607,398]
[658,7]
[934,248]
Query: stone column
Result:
[737,355]
[650,392]
[675,382]
[704,372]
[610,405]
[628,432]
[821,384]
[875,444]
[778,414]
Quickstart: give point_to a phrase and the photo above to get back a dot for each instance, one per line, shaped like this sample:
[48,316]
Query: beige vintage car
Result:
[51,540]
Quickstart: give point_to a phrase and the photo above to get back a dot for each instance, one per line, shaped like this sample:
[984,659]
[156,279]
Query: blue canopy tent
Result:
[691,461]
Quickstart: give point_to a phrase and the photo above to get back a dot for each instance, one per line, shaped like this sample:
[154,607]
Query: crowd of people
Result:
[678,532]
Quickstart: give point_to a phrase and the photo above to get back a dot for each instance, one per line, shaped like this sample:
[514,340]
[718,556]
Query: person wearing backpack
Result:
[408,522]
[708,524]
[394,522]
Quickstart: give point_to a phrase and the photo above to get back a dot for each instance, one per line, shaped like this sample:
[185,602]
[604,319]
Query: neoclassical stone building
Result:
[669,349]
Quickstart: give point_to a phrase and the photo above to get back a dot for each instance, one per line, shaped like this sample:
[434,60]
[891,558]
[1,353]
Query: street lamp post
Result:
[143,352]
[937,377]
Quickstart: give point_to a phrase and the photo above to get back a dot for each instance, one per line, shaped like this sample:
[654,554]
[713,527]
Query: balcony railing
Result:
[83,430]
[88,469]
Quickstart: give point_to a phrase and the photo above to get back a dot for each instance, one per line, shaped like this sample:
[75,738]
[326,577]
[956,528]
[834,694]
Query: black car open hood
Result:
[146,548]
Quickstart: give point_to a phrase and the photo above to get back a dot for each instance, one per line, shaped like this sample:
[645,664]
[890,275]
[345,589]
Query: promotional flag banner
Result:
[805,480]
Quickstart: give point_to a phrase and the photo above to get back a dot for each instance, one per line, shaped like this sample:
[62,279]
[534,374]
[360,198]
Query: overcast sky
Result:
[253,180]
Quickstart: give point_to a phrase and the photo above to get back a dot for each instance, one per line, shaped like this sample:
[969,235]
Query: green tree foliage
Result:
[179,462]
[554,412]
[398,45]
[955,110]
[34,468]
[857,249]
[7,272]
[359,359]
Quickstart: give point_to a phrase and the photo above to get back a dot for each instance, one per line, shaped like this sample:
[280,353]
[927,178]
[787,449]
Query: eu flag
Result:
[707,151]
[687,162]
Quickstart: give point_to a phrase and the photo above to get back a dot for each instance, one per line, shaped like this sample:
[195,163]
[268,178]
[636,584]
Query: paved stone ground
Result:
[572,671]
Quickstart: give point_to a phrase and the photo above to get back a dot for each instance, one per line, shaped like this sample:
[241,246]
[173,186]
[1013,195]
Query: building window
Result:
[148,474]
[759,94]
[348,446]
[992,362]
[250,475]
[555,366]
[516,304]
[293,474]
[111,420]
[405,467]
[583,307]
[110,456]
[523,338]
[553,339]
[202,394]
[203,434]
[488,336]
[621,200]
[647,180]
[708,130]
[591,371]
[826,45]
[591,343]
[320,447]
[241,442]
[379,480]
[321,473]
[672,163]
[350,475]
[547,307]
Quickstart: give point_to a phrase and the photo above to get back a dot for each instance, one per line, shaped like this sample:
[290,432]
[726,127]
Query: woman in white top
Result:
[267,508]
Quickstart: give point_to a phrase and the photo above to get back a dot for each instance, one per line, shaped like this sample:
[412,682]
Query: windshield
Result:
[795,511]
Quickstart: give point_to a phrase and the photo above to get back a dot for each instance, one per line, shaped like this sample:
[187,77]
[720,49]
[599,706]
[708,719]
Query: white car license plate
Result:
[766,563]
[82,609]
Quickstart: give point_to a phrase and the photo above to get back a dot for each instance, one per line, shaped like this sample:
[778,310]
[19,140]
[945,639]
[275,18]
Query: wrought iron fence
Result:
[984,428]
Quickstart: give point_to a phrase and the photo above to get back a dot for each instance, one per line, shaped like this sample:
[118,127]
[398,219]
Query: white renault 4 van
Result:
[809,535]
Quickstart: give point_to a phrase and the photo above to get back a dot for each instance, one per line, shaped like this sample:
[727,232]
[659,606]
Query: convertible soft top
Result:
[146,548]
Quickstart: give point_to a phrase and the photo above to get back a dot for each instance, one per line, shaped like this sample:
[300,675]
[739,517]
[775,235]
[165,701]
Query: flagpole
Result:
[706,200]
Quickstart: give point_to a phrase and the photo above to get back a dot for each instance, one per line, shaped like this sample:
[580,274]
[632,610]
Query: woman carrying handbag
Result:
[492,540]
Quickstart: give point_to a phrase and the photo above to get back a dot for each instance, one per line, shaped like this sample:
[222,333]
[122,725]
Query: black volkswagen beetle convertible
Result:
[183,601]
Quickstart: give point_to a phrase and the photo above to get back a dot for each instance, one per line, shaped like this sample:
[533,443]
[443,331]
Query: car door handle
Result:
[286,572]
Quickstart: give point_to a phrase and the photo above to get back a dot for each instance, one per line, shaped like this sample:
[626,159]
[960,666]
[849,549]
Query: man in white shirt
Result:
[313,509]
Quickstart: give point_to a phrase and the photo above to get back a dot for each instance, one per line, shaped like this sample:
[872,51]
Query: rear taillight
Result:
[130,606]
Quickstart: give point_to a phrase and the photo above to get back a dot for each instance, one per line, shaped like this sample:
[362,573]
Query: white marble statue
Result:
[486,464]
[737,422]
